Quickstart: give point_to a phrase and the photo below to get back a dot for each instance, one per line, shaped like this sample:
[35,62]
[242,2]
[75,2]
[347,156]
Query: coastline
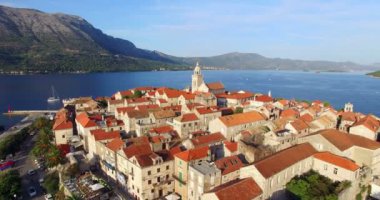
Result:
[22,73]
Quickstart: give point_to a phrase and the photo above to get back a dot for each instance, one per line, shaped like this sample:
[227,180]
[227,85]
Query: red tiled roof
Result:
[236,95]
[284,102]
[291,113]
[280,161]
[137,149]
[369,122]
[345,141]
[242,189]
[139,140]
[241,118]
[188,96]
[299,125]
[264,98]
[162,129]
[232,146]
[188,117]
[337,160]
[215,86]
[126,93]
[208,139]
[100,134]
[307,117]
[207,110]
[148,107]
[229,164]
[115,144]
[137,114]
[62,125]
[85,121]
[193,154]
[125,109]
[162,101]
[157,139]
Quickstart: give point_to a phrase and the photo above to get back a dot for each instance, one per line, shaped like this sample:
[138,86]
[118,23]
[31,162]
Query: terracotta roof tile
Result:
[62,125]
[233,146]
[337,160]
[163,114]
[206,140]
[137,149]
[369,122]
[162,129]
[85,121]
[207,110]
[290,113]
[116,144]
[280,161]
[138,114]
[307,117]
[215,86]
[123,110]
[229,164]
[100,134]
[299,125]
[264,98]
[241,118]
[345,141]
[188,117]
[193,154]
[244,189]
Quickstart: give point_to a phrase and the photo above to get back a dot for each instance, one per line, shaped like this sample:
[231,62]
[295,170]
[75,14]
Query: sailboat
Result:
[54,97]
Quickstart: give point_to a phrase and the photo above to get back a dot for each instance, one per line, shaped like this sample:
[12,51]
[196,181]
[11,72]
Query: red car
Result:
[7,165]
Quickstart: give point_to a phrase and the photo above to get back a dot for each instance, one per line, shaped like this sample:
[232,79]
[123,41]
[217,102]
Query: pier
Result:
[29,112]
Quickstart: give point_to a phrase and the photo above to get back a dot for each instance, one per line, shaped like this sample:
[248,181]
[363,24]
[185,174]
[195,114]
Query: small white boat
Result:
[54,98]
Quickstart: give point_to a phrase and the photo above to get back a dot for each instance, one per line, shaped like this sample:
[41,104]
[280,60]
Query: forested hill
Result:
[34,41]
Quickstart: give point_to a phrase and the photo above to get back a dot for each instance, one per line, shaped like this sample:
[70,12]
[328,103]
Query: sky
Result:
[311,30]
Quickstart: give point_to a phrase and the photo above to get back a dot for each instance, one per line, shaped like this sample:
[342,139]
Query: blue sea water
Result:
[31,91]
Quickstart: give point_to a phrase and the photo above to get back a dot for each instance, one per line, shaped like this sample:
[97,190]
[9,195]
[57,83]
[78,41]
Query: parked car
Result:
[7,165]
[31,172]
[32,191]
[41,180]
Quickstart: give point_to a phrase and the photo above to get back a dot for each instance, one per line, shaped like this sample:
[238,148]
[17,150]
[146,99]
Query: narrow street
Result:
[24,162]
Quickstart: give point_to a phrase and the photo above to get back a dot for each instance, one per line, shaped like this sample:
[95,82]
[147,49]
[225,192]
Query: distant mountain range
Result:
[31,40]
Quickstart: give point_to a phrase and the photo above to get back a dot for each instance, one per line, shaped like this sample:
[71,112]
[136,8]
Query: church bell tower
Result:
[197,78]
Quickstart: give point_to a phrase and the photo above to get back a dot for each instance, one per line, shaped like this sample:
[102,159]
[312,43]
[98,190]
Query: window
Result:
[158,170]
[149,172]
[158,179]
[335,170]
[63,136]
[167,176]
[167,167]
[152,190]
[149,182]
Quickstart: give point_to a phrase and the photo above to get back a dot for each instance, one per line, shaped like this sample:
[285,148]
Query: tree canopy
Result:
[10,184]
[312,185]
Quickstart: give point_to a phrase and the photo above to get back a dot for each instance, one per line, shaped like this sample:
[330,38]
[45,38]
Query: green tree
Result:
[137,94]
[53,156]
[10,184]
[51,183]
[12,143]
[103,103]
[312,185]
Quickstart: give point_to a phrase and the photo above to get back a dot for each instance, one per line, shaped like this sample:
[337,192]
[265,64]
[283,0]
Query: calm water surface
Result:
[31,91]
